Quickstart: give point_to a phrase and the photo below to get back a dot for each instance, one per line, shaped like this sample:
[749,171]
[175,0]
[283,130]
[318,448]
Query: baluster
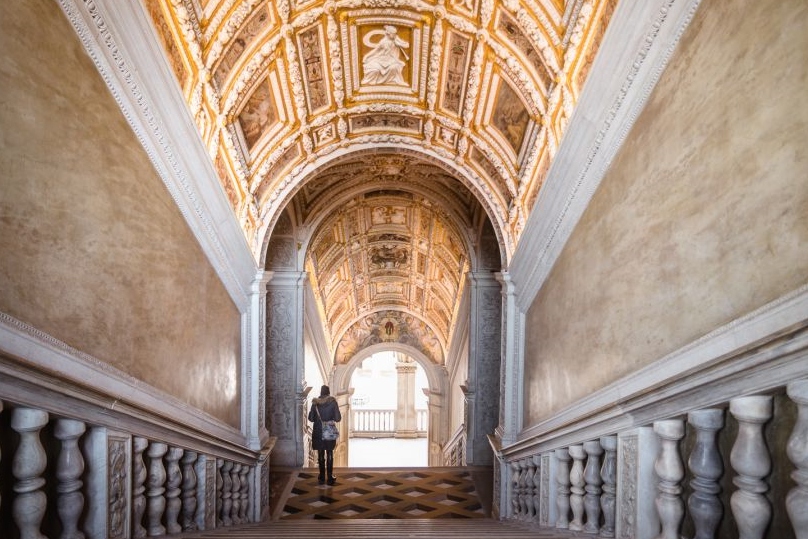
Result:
[527,485]
[608,473]
[156,502]
[577,480]
[593,483]
[797,449]
[69,468]
[245,494]
[750,460]
[563,481]
[1,409]
[188,491]
[227,493]
[706,465]
[235,494]
[515,487]
[173,482]
[670,471]
[27,465]
[537,487]
[219,509]
[139,475]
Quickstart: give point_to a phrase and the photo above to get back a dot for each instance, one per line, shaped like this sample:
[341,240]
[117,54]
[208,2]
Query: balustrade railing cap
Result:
[798,390]
[711,418]
[754,408]
[670,428]
[593,447]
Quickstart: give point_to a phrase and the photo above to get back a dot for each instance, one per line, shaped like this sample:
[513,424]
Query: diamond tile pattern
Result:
[385,494]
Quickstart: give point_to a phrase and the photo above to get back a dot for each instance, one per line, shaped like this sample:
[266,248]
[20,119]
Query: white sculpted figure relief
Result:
[383,64]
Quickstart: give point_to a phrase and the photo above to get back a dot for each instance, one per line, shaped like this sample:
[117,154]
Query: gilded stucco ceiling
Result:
[392,130]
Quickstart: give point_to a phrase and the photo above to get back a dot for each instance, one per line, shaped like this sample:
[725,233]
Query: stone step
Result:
[483,528]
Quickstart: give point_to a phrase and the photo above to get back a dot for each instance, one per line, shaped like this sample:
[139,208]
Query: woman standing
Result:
[324,409]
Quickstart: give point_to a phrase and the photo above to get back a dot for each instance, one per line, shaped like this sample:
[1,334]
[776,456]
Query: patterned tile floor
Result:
[402,493]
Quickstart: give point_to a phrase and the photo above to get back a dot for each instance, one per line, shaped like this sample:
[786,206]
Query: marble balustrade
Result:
[640,484]
[75,480]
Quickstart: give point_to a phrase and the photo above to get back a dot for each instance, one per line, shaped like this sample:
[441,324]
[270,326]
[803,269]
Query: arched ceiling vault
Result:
[275,85]
[396,137]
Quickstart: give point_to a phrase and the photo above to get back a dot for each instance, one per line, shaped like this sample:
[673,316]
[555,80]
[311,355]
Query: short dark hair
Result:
[325,390]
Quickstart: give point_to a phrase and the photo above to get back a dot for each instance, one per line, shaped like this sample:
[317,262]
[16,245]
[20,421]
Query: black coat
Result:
[329,411]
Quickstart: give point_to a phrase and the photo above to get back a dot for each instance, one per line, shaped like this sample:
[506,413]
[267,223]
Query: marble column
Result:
[511,371]
[406,421]
[797,449]
[485,352]
[751,461]
[284,358]
[707,467]
[27,466]
[69,467]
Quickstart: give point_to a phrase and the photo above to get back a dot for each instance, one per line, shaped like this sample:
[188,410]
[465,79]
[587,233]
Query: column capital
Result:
[260,282]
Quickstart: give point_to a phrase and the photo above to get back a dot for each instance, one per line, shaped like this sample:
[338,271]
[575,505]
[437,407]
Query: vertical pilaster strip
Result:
[485,352]
[253,403]
[284,359]
[512,367]
[636,484]
[108,457]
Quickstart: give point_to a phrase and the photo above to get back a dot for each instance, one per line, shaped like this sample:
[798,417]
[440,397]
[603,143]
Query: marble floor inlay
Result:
[385,494]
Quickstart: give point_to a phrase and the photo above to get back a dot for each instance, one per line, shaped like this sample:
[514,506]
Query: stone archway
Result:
[437,379]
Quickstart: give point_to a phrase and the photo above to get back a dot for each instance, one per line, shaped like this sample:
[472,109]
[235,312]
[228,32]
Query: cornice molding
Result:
[606,111]
[106,395]
[118,38]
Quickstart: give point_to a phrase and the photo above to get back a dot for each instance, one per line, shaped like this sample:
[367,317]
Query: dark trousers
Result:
[325,458]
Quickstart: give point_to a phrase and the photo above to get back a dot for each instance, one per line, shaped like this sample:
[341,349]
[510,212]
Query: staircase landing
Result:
[390,493]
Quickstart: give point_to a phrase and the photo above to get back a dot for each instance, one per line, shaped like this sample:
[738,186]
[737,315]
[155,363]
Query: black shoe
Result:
[320,480]
[332,480]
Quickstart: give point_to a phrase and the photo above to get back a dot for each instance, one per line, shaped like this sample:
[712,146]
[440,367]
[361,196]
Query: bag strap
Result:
[317,408]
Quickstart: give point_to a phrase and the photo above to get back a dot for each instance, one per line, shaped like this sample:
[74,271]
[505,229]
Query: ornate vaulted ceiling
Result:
[391,128]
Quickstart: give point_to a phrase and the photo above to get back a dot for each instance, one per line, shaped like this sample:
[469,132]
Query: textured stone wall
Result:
[702,217]
[93,250]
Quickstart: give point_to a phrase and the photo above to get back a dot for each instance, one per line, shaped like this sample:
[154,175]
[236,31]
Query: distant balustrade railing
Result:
[454,450]
[378,422]
[652,480]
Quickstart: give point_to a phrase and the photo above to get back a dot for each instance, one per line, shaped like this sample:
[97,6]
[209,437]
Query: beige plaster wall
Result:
[702,217]
[93,250]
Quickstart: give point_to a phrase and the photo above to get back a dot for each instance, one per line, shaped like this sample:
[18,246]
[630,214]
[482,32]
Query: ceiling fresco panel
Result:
[312,47]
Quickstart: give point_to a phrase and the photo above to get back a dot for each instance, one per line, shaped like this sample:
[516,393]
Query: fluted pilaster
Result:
[27,465]
[751,461]
[69,468]
[707,467]
[563,484]
[608,474]
[577,489]
[155,498]
[797,448]
[670,471]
